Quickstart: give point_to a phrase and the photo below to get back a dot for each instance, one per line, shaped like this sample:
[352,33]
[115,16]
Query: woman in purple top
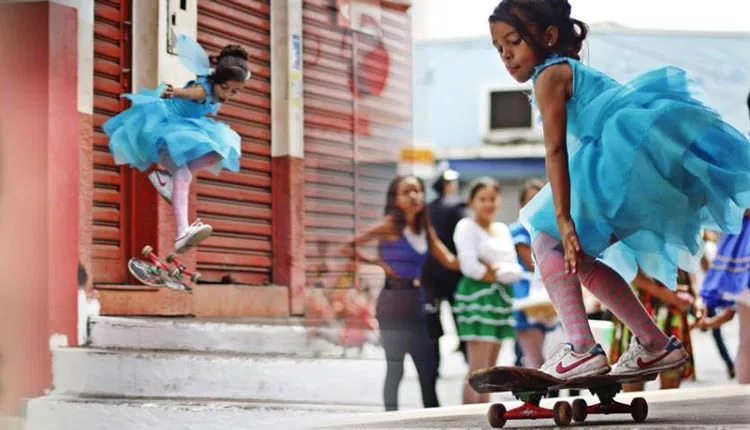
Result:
[404,239]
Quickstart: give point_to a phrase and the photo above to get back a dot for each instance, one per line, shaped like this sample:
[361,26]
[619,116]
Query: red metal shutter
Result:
[351,142]
[238,205]
[329,142]
[111,79]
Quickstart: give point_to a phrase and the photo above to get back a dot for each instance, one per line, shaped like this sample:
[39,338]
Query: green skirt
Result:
[484,310]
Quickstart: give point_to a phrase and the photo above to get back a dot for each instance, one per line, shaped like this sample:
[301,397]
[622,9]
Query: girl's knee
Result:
[544,244]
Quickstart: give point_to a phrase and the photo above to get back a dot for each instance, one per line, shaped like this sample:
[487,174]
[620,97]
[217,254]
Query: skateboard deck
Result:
[151,275]
[531,385]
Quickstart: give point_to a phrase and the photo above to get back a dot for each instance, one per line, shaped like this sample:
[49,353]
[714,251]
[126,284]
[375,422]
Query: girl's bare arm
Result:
[376,232]
[551,91]
[193,92]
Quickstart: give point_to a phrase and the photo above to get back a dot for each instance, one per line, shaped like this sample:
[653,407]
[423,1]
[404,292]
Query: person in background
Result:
[404,239]
[484,297]
[440,283]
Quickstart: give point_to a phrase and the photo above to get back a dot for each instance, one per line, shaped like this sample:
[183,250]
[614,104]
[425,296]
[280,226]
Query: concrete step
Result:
[175,374]
[242,336]
[11,423]
[76,413]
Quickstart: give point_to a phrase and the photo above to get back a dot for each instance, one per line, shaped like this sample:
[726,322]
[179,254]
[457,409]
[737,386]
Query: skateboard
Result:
[154,276]
[532,385]
[155,266]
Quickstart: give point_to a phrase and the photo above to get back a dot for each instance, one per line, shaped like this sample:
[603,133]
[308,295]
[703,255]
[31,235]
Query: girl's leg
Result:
[720,345]
[476,352]
[422,351]
[618,297]
[181,191]
[564,290]
[742,363]
[395,345]
[531,341]
[494,351]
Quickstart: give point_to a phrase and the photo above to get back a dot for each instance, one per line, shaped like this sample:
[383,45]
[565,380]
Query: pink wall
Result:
[38,193]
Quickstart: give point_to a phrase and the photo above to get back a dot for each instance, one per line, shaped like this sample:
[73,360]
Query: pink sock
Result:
[564,291]
[618,297]
[180,194]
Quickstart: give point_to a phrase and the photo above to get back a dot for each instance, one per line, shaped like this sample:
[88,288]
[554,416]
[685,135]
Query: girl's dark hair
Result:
[481,183]
[421,221]
[530,185]
[531,18]
[230,65]
[748,103]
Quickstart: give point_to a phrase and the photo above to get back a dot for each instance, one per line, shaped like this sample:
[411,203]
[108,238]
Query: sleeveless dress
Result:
[649,165]
[179,126]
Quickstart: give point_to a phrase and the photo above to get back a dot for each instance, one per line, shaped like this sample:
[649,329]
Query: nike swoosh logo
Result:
[158,179]
[643,364]
[564,369]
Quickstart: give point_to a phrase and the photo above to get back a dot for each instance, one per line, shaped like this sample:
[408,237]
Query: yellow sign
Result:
[417,155]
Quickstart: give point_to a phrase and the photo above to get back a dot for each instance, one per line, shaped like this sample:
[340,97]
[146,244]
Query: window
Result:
[509,110]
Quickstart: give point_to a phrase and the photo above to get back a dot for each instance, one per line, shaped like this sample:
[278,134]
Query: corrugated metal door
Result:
[357,116]
[111,79]
[238,205]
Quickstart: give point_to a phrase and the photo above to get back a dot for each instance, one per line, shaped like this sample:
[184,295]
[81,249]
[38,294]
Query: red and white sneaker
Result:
[638,360]
[162,181]
[196,233]
[564,363]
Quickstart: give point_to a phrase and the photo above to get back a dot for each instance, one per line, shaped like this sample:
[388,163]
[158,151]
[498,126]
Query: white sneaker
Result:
[638,360]
[564,363]
[196,233]
[162,181]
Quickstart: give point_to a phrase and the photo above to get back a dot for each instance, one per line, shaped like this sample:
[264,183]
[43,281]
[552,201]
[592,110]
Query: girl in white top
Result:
[489,265]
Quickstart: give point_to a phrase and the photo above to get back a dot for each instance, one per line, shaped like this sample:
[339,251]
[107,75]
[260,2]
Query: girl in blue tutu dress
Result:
[168,126]
[636,170]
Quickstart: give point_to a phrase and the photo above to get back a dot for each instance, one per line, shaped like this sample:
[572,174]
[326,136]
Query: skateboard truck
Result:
[148,252]
[181,269]
[561,412]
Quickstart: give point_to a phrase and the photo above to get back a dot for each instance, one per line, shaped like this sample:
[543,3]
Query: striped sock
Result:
[565,292]
[618,297]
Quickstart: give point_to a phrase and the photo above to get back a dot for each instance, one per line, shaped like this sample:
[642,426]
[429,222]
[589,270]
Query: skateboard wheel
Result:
[175,273]
[195,277]
[563,413]
[170,257]
[147,250]
[639,409]
[496,415]
[579,410]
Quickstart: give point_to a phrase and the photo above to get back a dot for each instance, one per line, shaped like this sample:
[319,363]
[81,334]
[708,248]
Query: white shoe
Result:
[162,181]
[564,363]
[638,360]
[196,233]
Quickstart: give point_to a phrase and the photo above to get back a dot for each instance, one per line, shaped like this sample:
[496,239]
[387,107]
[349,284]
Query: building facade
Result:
[323,120]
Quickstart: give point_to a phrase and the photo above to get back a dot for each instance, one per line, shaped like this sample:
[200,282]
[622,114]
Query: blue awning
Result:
[499,168]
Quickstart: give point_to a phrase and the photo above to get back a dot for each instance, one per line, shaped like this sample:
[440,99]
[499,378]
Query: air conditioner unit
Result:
[506,116]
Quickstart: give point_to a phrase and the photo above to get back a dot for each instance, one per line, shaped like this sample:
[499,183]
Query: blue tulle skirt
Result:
[650,167]
[152,124]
